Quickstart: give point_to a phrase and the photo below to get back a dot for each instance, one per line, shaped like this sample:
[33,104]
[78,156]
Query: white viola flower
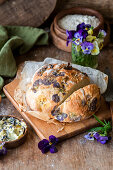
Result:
[95,50]
[90,136]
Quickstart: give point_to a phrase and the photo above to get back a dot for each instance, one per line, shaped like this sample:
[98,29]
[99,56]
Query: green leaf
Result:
[97,129]
[98,120]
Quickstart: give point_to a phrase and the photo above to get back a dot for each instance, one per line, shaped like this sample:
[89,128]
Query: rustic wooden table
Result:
[73,154]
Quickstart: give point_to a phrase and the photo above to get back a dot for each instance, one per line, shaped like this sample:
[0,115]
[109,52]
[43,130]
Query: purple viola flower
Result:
[44,146]
[85,34]
[87,26]
[3,150]
[101,139]
[70,36]
[87,47]
[48,145]
[81,34]
[83,26]
[53,139]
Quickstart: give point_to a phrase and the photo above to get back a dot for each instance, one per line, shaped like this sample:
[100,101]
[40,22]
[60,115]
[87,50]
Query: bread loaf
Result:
[80,105]
[51,85]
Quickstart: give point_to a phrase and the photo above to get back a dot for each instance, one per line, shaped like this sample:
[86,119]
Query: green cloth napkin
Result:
[18,38]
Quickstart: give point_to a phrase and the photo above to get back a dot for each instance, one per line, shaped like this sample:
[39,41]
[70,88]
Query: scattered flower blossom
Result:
[48,145]
[3,150]
[101,139]
[100,133]
[90,136]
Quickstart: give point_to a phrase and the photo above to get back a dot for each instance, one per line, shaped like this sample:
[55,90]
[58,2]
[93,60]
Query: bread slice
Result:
[80,105]
[51,86]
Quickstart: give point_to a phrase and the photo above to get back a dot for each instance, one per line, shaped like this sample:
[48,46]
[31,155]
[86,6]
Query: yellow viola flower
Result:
[95,50]
[90,38]
[90,32]
[100,42]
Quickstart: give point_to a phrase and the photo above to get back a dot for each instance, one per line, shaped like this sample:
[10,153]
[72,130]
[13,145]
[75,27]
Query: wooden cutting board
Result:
[25,12]
[44,129]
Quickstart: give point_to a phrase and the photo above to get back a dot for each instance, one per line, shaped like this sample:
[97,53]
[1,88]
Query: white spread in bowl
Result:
[70,22]
[11,128]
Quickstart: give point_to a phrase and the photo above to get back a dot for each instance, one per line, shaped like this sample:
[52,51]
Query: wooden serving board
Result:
[44,129]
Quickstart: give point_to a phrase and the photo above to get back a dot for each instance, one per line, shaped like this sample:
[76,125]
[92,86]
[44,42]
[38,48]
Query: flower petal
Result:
[45,149]
[96,135]
[43,143]
[89,136]
[53,149]
[52,139]
[103,138]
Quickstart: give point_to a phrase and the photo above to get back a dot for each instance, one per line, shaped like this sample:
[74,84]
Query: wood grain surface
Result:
[26,12]
[73,154]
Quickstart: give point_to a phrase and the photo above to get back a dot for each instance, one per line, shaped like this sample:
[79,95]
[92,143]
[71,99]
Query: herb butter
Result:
[11,128]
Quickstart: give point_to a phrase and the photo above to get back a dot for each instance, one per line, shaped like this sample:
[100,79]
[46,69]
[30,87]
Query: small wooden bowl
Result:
[58,41]
[17,142]
[77,10]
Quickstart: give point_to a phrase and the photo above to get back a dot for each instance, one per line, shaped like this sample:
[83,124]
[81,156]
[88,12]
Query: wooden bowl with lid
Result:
[17,142]
[77,10]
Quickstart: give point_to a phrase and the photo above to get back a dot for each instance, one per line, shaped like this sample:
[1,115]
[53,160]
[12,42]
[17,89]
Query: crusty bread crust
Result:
[51,85]
[82,104]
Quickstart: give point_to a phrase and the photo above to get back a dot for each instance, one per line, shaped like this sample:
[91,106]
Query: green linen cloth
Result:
[18,38]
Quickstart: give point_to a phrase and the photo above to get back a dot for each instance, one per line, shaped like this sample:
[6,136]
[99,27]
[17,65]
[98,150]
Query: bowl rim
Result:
[75,10]
[24,134]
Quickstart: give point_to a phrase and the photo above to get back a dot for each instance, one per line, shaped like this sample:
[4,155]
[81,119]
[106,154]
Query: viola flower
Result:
[3,150]
[90,31]
[79,37]
[90,136]
[48,145]
[101,34]
[101,139]
[95,50]
[87,47]
[85,34]
[70,35]
[90,38]
[83,26]
[87,26]
[100,42]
